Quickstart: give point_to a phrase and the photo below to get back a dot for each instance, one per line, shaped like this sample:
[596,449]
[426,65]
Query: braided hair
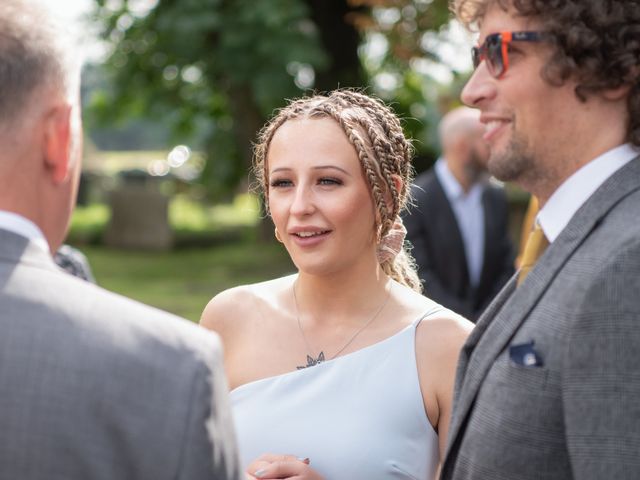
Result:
[382,149]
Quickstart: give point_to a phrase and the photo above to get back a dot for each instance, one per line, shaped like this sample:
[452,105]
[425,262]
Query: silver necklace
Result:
[311,361]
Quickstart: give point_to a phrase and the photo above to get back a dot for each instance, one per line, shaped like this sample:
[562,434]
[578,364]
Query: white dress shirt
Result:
[24,227]
[467,208]
[576,190]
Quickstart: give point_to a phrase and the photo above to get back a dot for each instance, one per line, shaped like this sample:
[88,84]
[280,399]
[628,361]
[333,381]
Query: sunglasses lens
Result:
[495,62]
[476,56]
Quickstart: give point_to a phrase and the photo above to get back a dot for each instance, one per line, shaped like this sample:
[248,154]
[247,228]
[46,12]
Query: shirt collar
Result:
[577,189]
[24,227]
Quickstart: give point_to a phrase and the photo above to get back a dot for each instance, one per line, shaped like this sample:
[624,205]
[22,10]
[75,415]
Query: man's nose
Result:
[479,88]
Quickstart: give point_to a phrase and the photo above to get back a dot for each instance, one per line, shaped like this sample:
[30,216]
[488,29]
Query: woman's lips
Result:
[310,238]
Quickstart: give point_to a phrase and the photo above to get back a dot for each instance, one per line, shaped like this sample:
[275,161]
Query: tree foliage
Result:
[406,73]
[220,67]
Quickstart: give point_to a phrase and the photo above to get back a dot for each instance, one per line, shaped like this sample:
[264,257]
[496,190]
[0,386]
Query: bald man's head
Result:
[462,145]
[461,122]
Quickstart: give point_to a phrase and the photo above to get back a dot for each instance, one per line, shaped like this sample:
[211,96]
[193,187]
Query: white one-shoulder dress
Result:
[358,416]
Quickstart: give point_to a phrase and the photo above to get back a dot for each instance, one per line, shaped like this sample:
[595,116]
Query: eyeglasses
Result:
[496,47]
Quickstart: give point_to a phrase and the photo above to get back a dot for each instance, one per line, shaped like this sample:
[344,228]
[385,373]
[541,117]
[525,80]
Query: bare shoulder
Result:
[443,331]
[222,309]
[440,328]
[233,308]
[439,338]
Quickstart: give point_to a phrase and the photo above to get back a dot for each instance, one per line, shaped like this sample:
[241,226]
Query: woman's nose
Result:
[303,201]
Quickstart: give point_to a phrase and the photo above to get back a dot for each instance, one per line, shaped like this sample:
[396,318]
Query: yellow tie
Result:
[533,250]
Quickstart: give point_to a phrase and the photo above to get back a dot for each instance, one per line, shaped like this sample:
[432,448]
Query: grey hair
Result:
[37,49]
[458,122]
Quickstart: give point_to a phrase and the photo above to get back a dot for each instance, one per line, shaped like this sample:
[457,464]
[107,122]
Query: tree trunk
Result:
[341,41]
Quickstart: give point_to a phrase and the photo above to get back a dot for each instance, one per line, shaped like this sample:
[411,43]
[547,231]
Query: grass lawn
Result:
[183,281]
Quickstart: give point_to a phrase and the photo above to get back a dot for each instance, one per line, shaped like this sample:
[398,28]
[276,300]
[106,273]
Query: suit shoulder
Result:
[424,192]
[425,180]
[125,326]
[109,336]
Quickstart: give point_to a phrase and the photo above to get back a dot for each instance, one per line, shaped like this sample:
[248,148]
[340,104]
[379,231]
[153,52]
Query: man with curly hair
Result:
[548,384]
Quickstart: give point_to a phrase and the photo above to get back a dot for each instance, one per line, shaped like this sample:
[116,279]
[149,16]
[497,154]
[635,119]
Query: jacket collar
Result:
[15,248]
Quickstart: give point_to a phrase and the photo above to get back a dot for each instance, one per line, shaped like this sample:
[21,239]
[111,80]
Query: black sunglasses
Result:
[495,50]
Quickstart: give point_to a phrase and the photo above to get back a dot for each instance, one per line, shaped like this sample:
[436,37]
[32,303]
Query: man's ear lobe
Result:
[614,94]
[57,142]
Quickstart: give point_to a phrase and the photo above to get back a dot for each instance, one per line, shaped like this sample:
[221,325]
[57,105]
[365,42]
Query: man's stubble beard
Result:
[515,164]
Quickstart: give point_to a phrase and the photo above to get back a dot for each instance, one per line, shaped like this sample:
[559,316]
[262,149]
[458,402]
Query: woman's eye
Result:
[280,183]
[329,181]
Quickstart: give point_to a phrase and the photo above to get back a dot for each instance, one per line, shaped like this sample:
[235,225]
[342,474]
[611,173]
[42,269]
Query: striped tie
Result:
[533,250]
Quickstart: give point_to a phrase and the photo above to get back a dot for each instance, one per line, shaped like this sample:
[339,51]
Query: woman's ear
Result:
[398,183]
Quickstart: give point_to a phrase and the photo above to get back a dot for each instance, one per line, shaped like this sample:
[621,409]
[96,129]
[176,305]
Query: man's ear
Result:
[614,94]
[57,142]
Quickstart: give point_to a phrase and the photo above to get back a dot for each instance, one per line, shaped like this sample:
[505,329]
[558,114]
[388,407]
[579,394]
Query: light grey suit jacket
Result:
[95,386]
[576,416]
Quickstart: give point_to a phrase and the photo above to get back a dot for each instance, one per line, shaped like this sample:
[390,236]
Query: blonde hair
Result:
[383,150]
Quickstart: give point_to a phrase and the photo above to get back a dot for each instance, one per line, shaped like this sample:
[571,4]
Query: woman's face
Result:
[319,199]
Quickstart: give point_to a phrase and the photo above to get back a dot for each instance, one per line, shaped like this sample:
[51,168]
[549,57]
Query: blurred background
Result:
[174,92]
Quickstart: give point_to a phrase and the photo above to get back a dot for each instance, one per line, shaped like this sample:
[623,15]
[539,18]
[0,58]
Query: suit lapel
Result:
[511,307]
[452,226]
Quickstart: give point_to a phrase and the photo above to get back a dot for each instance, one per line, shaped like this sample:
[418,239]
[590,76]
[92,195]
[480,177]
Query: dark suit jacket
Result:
[574,414]
[438,247]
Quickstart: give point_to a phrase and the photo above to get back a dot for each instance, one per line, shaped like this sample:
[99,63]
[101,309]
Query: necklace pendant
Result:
[311,362]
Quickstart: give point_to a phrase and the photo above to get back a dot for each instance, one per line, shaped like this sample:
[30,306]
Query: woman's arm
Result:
[438,344]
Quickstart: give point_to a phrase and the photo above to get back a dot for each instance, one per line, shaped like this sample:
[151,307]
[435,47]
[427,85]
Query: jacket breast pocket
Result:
[525,378]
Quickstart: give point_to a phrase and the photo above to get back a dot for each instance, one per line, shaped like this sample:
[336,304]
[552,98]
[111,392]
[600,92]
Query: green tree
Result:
[225,64]
[403,72]
[222,66]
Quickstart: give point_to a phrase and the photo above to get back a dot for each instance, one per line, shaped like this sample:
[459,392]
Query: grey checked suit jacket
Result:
[577,416]
[95,386]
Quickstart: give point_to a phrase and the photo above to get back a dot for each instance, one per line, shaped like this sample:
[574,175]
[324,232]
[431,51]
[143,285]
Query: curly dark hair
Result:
[597,43]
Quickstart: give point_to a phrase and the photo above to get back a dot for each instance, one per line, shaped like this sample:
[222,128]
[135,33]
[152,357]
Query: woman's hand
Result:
[269,466]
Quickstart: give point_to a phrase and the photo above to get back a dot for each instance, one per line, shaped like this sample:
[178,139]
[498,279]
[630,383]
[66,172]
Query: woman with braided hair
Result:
[343,370]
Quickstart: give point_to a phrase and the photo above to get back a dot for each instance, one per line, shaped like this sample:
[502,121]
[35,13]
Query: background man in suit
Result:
[547,384]
[92,385]
[458,223]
